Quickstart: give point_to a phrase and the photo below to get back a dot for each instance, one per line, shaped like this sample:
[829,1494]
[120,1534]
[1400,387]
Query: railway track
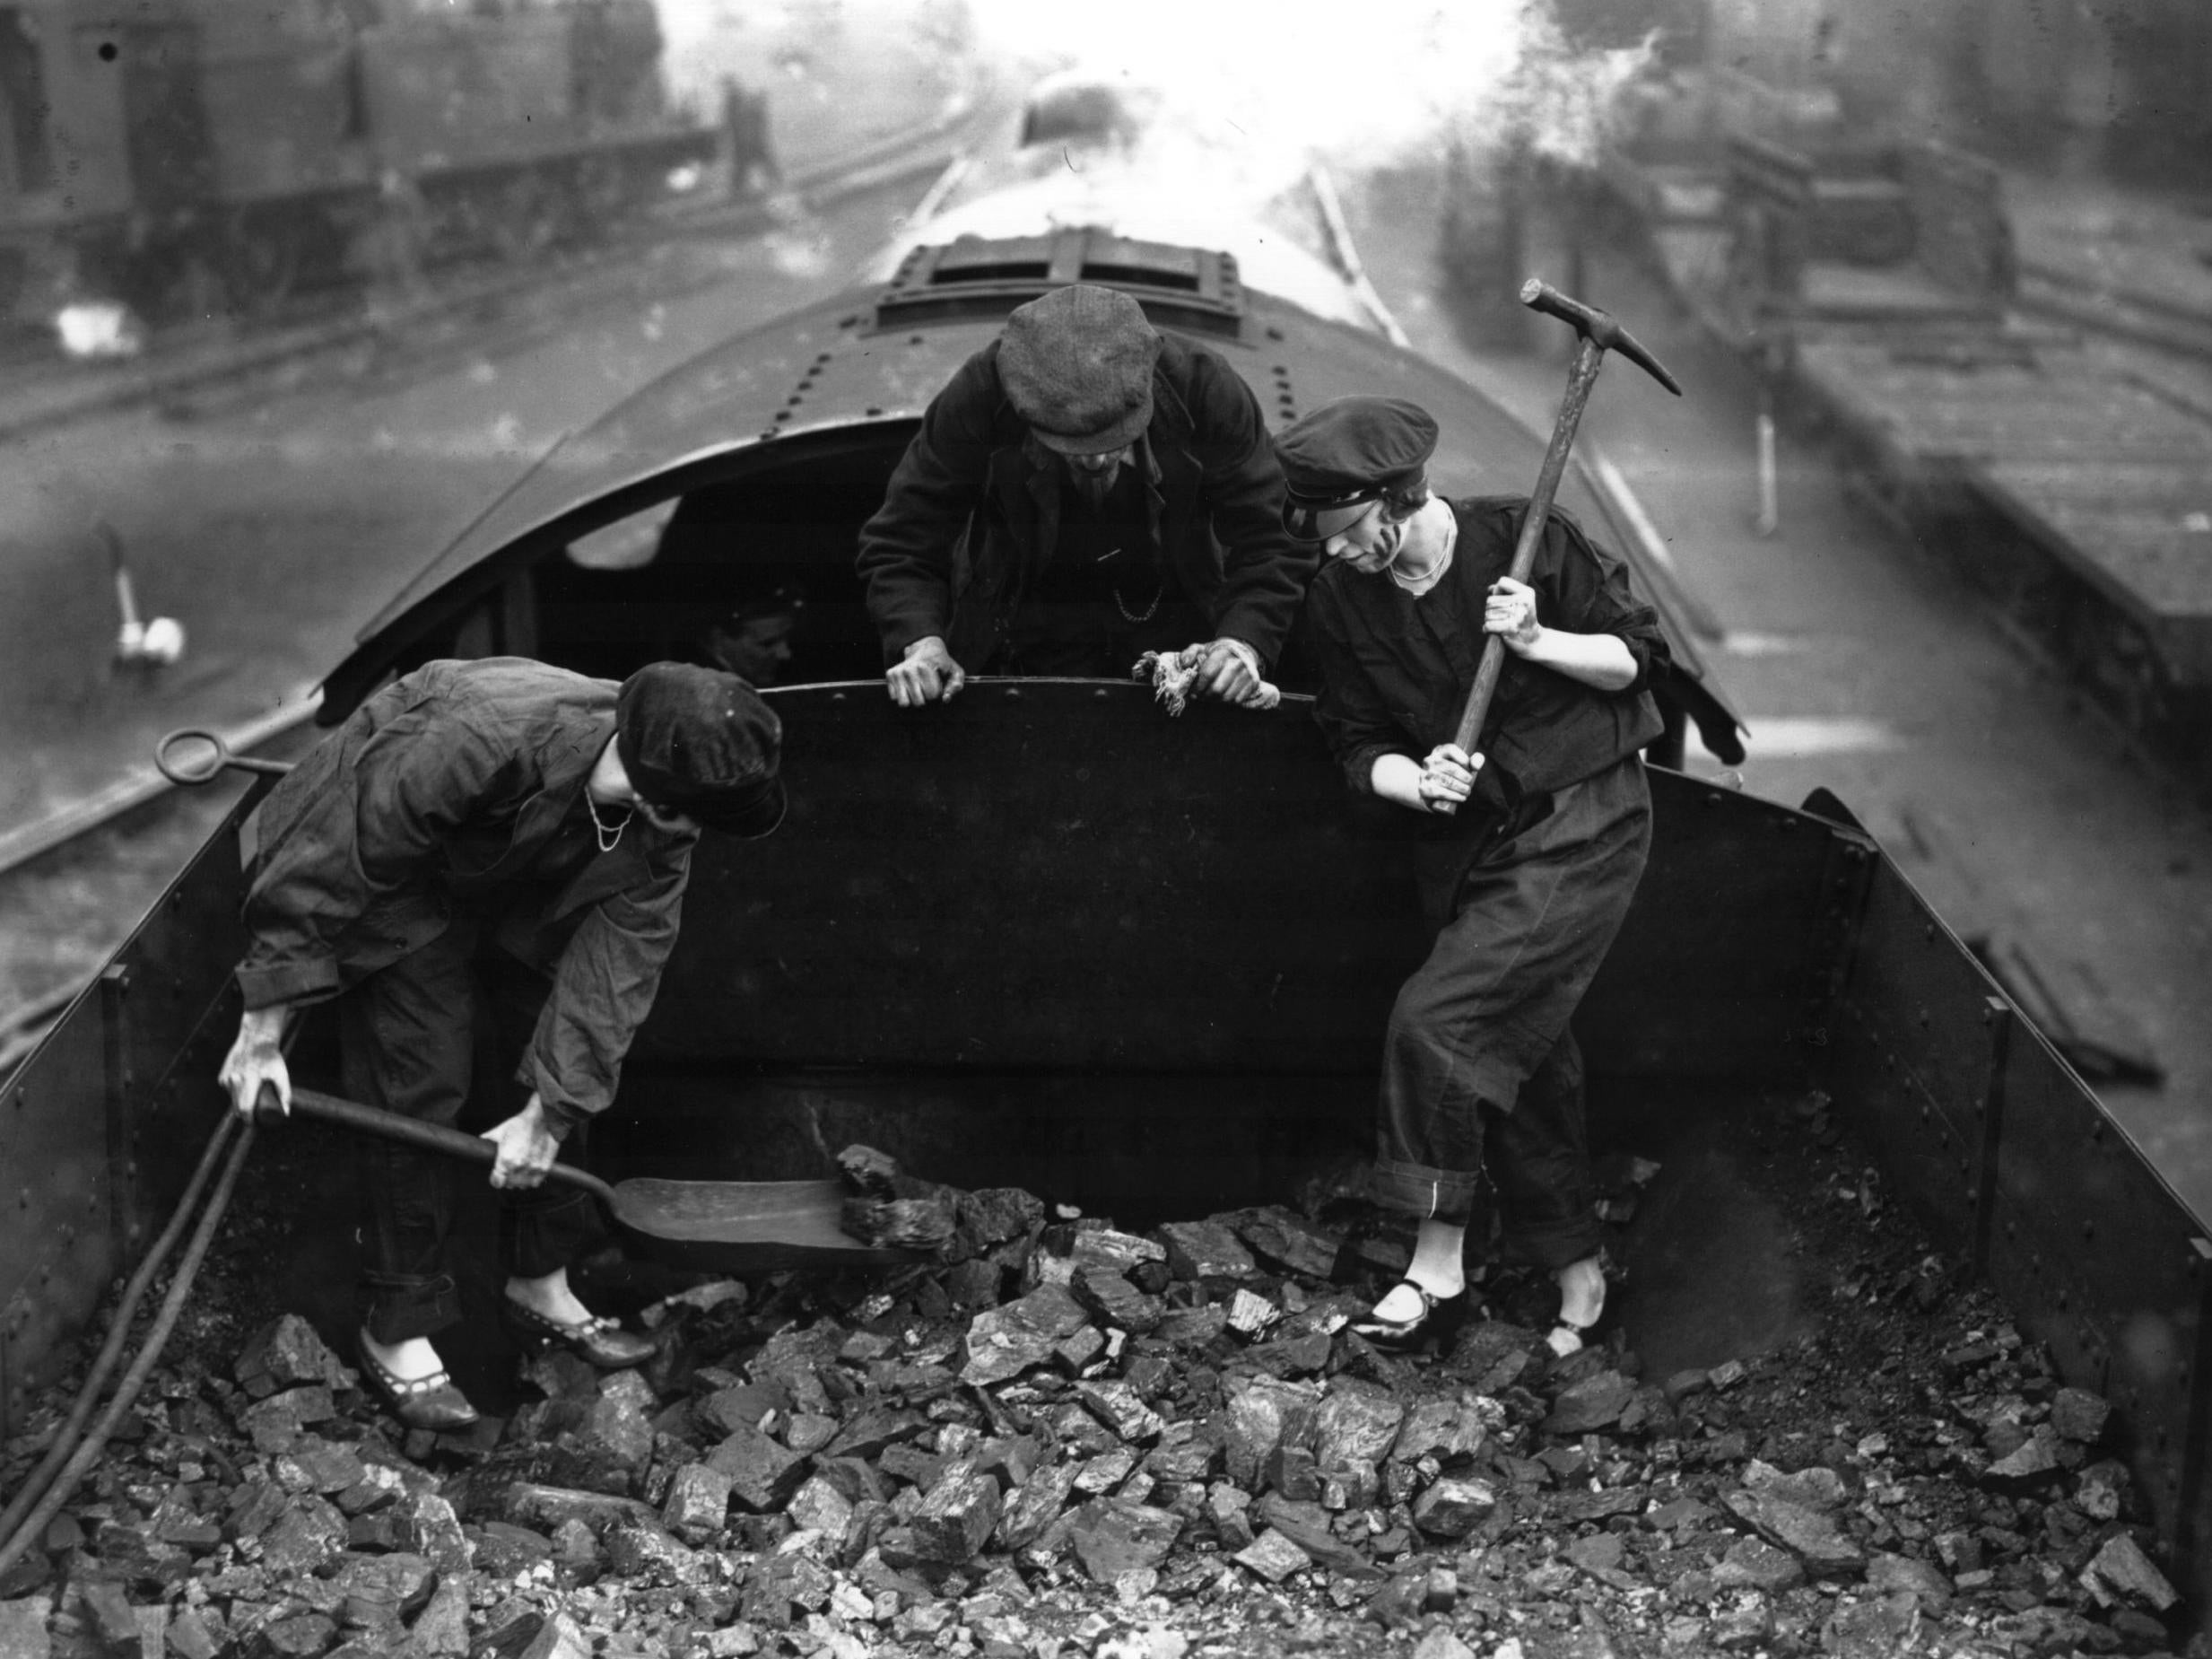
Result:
[42,390]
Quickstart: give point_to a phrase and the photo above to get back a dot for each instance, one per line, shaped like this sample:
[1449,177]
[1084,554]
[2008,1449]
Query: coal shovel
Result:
[723,1227]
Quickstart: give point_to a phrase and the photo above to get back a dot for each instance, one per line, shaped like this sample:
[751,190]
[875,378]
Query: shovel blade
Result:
[742,1226]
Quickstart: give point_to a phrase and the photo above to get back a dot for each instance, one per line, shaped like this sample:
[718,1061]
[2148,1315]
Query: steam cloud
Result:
[1252,87]
[1259,87]
[1234,101]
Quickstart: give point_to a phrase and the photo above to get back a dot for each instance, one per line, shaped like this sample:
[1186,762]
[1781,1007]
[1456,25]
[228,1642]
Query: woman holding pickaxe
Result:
[1542,825]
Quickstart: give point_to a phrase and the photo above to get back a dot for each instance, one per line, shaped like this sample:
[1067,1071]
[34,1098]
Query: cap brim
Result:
[1318,521]
[1119,435]
[746,813]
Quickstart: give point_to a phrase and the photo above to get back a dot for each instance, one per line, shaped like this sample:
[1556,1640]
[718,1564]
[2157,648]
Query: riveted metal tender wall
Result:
[1053,874]
[2010,1158]
[101,1125]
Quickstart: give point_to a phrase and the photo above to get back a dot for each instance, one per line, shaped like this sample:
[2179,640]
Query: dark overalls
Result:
[432,864]
[411,1040]
[1478,1048]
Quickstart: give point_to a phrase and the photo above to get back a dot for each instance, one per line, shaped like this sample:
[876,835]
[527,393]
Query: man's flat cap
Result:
[1077,366]
[702,743]
[1349,452]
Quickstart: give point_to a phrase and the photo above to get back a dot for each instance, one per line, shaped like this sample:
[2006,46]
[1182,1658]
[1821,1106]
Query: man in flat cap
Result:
[1083,490]
[488,849]
[1529,879]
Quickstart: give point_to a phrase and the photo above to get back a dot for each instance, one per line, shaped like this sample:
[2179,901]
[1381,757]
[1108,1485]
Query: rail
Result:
[1346,255]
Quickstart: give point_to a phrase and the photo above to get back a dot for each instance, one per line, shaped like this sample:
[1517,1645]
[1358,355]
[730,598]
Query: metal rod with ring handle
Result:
[220,756]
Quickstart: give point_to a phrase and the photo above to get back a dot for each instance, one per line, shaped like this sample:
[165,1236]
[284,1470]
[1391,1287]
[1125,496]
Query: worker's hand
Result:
[927,675]
[527,1147]
[1229,670]
[1447,777]
[257,1061]
[1511,613]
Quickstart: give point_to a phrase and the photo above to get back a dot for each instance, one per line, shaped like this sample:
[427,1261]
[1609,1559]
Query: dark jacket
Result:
[973,510]
[1396,669]
[459,789]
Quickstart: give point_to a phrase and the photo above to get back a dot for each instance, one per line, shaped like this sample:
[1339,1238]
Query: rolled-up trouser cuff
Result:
[1430,1194]
[547,1229]
[396,1308]
[1553,1244]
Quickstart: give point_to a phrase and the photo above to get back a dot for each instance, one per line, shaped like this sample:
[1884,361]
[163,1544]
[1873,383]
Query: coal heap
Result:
[1059,1439]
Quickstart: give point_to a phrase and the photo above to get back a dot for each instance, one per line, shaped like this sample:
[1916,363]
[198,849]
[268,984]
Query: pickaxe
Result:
[1600,334]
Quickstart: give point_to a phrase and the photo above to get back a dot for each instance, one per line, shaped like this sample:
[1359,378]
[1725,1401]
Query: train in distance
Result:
[184,157]
[1044,935]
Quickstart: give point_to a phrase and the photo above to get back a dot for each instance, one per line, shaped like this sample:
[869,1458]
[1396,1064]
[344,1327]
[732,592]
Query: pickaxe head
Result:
[1594,326]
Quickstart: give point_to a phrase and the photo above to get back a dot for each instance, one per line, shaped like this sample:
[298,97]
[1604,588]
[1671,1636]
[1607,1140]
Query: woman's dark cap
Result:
[1353,450]
[702,743]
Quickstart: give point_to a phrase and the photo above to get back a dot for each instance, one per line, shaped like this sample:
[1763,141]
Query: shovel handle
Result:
[430,1137]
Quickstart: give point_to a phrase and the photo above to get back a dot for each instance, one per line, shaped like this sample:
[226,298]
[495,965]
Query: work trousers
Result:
[412,1038]
[1478,1058]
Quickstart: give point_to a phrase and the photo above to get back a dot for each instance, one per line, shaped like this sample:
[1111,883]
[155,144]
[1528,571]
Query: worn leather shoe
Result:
[431,1402]
[596,1339]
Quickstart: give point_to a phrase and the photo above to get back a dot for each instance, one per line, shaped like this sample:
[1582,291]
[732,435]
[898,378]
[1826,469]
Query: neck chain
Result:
[1145,614]
[608,838]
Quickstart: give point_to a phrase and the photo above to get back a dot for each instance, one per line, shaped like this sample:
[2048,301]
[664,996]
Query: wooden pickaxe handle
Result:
[1599,334]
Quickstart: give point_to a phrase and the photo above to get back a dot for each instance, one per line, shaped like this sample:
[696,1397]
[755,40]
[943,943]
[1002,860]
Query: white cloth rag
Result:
[1172,673]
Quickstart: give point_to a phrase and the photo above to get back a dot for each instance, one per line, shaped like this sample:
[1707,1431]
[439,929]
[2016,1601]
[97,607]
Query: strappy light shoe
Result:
[1439,1316]
[596,1339]
[431,1402]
